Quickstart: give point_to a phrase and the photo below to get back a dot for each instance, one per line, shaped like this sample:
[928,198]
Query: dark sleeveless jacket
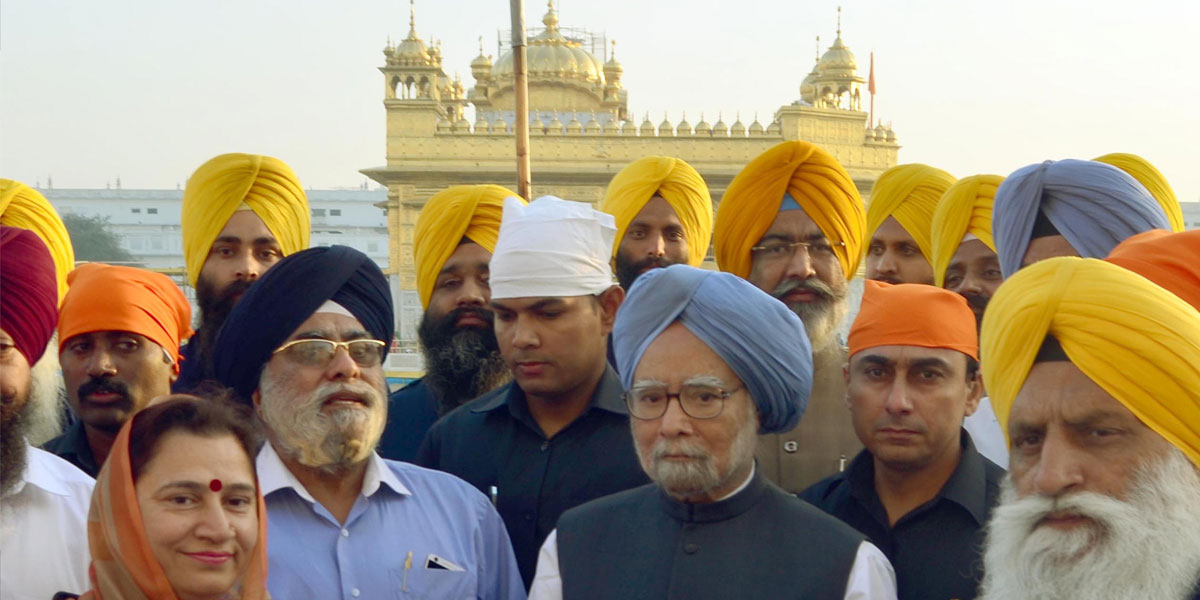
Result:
[761,543]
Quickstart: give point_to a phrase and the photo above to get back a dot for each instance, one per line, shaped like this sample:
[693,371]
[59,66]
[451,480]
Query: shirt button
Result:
[528,516]
[790,446]
[345,533]
[690,548]
[354,592]
[545,445]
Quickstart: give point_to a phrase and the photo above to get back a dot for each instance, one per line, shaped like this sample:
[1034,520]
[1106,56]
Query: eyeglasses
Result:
[778,251]
[318,352]
[697,401]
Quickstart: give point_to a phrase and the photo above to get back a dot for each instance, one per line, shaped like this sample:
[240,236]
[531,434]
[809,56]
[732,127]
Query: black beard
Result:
[460,364]
[215,307]
[14,425]
[978,305]
[628,270]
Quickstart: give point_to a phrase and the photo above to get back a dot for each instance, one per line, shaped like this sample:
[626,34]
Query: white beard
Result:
[1146,547]
[47,397]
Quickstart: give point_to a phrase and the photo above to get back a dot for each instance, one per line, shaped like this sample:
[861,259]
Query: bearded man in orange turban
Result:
[241,214]
[792,223]
[1094,372]
[119,331]
[453,242]
[664,216]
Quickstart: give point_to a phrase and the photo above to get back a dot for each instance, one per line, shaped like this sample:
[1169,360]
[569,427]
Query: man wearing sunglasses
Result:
[306,346]
[702,381]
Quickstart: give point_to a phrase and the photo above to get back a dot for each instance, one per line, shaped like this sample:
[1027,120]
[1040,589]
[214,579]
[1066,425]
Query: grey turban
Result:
[1093,205]
[754,333]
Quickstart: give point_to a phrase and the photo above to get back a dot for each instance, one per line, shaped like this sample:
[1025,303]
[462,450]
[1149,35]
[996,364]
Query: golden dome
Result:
[411,51]
[550,55]
[838,60]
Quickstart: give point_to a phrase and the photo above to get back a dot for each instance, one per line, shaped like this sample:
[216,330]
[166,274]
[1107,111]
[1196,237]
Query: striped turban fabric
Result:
[910,193]
[1149,176]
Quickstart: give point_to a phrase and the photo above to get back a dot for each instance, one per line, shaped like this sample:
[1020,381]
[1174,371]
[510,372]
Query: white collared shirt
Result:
[43,530]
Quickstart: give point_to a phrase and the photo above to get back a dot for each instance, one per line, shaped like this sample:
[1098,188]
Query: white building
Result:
[1191,214]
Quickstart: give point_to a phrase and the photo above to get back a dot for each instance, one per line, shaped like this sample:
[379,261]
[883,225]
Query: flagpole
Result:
[871,89]
[521,83]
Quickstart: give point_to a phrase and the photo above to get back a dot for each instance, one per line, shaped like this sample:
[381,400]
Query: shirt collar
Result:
[273,475]
[607,396]
[967,485]
[38,474]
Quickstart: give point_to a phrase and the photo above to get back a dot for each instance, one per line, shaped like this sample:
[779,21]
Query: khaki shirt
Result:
[824,441]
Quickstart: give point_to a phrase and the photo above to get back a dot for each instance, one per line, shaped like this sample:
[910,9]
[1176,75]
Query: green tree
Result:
[94,241]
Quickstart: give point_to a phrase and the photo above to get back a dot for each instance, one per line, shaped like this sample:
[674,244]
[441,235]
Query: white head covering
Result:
[552,248]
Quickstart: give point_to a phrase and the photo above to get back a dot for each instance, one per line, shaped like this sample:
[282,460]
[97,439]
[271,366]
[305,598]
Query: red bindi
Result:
[215,485]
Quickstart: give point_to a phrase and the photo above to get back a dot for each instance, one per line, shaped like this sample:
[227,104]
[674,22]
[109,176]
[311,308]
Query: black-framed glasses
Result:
[316,352]
[698,401]
[779,250]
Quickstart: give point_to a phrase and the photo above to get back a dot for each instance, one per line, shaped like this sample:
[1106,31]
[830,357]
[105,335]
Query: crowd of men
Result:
[1014,414]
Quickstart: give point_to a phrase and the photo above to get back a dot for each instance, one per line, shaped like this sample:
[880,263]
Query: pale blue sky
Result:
[147,90]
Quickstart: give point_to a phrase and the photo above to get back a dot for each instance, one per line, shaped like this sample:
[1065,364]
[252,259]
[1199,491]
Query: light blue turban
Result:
[1093,205]
[754,333]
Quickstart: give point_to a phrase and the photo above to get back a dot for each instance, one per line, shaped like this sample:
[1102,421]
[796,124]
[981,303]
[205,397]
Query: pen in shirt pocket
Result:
[407,566]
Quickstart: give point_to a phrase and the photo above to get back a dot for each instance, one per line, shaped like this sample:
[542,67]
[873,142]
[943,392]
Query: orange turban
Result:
[913,314]
[1134,339]
[1147,175]
[1172,260]
[910,193]
[24,207]
[223,184]
[678,183]
[462,211]
[966,207]
[818,183]
[108,298]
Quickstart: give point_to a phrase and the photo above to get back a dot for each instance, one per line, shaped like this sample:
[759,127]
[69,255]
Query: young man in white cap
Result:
[558,435]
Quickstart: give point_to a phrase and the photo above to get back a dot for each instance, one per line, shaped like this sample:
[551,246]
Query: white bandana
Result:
[552,248]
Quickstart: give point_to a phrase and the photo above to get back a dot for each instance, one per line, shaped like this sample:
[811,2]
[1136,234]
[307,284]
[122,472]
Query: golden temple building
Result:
[581,131]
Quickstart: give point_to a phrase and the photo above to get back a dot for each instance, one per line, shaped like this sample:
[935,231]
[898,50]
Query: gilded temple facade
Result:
[581,131]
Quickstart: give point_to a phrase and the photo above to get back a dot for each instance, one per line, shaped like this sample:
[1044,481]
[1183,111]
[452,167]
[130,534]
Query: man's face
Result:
[326,415]
[555,346]
[1050,246]
[895,257]
[655,238]
[696,460]
[15,379]
[907,403]
[1097,505]
[974,273]
[1068,435]
[463,284]
[809,282]
[242,252]
[110,375]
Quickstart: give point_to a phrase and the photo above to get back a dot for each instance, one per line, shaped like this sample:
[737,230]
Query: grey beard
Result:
[1145,547]
[462,368]
[14,450]
[47,401]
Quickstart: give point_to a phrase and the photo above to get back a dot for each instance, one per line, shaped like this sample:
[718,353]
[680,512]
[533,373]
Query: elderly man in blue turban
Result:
[306,346]
[708,361]
[1069,208]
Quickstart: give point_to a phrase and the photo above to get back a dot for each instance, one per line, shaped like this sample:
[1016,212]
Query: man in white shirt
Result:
[43,499]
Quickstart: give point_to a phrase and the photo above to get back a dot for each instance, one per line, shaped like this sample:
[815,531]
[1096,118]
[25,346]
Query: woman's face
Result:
[197,497]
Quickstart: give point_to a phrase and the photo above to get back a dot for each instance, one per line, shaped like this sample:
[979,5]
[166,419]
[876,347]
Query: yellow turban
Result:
[1141,170]
[221,185]
[462,211]
[678,183]
[965,208]
[1134,339]
[24,207]
[910,193]
[818,183]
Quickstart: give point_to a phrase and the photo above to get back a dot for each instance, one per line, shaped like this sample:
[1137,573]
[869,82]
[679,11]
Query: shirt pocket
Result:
[434,584]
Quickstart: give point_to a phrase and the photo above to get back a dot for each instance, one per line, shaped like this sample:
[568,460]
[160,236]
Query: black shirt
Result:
[72,446]
[494,441]
[936,548]
[412,410]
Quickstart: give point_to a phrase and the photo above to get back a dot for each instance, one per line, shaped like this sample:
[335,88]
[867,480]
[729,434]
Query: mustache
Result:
[364,391]
[101,385]
[888,279]
[977,302]
[814,285]
[660,262]
[663,448]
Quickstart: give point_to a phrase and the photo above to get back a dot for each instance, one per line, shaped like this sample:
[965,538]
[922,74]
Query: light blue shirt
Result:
[403,511]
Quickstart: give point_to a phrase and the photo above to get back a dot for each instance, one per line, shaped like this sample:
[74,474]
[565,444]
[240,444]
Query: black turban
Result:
[286,296]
